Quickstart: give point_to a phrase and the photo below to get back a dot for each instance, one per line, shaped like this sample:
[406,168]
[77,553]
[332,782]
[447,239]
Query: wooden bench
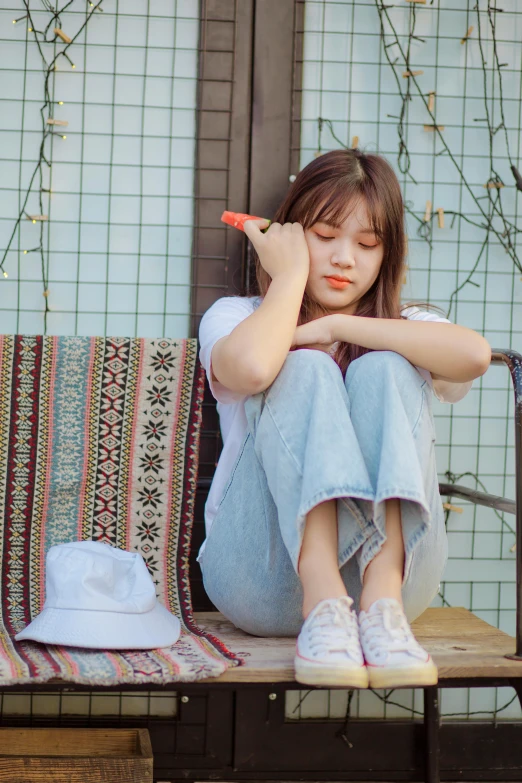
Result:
[463,646]
[467,651]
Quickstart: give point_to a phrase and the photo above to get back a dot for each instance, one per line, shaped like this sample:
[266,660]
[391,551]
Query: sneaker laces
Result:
[335,629]
[388,628]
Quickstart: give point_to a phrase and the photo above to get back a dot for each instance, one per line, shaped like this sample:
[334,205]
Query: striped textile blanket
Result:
[99,439]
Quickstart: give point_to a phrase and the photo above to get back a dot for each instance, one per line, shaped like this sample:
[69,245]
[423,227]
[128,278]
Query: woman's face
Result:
[352,252]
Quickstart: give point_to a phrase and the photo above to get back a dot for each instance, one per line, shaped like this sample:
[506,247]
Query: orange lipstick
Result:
[339,284]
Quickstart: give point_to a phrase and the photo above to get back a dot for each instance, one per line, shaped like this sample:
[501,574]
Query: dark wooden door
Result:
[247,137]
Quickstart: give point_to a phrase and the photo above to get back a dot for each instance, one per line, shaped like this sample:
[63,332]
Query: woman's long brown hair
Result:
[328,189]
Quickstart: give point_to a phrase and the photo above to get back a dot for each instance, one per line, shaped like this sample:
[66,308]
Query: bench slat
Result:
[462,645]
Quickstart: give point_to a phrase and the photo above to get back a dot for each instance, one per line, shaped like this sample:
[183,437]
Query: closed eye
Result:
[327,239]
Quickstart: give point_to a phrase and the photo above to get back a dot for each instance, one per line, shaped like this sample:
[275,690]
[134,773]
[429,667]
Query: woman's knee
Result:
[376,363]
[309,360]
[306,367]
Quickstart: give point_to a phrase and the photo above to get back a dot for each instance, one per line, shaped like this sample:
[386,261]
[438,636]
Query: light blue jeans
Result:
[313,436]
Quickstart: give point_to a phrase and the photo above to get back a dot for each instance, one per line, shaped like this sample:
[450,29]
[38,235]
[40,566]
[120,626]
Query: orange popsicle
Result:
[238,219]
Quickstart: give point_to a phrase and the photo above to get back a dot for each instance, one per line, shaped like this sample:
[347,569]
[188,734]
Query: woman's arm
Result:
[448,351]
[250,357]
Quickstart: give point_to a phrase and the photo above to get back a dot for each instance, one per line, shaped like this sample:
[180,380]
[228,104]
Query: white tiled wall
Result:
[348,80]
[118,241]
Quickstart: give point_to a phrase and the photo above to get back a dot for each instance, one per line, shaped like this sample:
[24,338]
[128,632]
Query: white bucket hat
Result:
[100,597]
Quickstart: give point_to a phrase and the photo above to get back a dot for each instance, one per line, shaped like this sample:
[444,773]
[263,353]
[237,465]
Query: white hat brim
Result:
[104,630]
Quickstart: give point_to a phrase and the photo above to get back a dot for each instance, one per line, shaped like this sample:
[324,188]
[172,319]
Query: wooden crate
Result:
[75,756]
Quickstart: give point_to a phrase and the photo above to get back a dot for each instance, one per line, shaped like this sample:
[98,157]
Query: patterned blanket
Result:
[99,440]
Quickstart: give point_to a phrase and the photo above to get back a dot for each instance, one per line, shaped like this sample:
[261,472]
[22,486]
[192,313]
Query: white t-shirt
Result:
[221,319]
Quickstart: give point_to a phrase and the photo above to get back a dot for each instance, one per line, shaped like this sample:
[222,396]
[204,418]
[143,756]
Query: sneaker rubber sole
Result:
[315,673]
[390,677]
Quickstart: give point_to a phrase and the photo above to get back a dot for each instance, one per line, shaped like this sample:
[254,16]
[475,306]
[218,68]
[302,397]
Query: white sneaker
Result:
[328,648]
[393,655]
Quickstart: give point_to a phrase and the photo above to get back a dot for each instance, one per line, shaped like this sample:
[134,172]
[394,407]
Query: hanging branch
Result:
[48,124]
[404,161]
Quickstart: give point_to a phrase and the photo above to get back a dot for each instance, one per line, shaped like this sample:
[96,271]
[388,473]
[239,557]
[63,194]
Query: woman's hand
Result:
[282,250]
[318,334]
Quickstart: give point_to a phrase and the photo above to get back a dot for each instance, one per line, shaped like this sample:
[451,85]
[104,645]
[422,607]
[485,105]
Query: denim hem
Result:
[322,497]
[371,549]
[350,550]
[401,494]
[374,543]
[363,521]
[409,549]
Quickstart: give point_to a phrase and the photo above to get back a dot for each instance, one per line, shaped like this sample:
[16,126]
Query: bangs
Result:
[335,203]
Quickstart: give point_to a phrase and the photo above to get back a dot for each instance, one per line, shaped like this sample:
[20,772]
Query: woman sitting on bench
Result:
[325,500]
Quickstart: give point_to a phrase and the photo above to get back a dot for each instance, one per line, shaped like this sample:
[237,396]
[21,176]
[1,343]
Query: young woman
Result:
[325,499]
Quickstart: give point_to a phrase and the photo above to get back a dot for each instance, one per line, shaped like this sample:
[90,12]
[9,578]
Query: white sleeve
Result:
[450,391]
[445,391]
[219,320]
